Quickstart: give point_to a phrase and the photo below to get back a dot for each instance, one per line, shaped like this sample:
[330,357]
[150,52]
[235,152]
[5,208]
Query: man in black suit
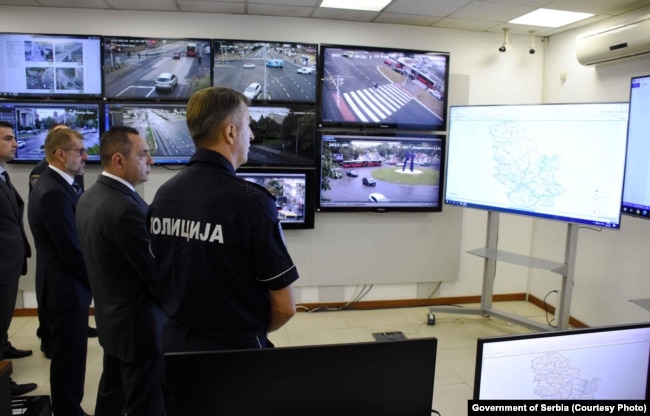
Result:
[115,244]
[43,323]
[14,247]
[62,287]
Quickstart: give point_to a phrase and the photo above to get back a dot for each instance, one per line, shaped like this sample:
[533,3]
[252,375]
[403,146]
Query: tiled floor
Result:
[456,336]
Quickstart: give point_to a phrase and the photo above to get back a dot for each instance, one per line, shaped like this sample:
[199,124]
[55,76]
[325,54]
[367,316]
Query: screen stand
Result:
[491,255]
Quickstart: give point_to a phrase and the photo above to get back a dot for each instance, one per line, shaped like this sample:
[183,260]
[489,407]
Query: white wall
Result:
[480,75]
[612,266]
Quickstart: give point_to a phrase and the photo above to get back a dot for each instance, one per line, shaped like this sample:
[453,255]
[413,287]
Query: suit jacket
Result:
[14,247]
[111,219]
[61,278]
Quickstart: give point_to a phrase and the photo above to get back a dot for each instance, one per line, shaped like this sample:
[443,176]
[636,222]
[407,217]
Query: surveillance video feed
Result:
[358,171]
[267,71]
[383,87]
[282,136]
[162,125]
[33,120]
[50,65]
[155,69]
[289,190]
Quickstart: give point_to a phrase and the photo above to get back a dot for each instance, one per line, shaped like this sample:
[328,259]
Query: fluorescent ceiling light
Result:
[550,18]
[370,5]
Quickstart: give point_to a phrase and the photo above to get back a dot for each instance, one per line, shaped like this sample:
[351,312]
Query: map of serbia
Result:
[527,174]
[556,380]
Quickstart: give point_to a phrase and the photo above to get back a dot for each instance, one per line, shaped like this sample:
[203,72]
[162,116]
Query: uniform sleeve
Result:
[273,267]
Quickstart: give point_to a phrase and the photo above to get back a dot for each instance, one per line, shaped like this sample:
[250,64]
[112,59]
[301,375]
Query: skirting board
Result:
[398,303]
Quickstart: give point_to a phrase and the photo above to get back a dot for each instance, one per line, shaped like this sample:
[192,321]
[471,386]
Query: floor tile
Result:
[456,333]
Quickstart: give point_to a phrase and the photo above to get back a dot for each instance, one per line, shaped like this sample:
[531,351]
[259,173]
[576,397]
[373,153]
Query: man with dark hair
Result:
[224,271]
[115,243]
[14,250]
[62,287]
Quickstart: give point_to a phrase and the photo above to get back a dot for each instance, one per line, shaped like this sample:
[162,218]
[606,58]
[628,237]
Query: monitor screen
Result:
[555,161]
[273,72]
[163,125]
[600,363]
[383,88]
[294,192]
[155,69]
[32,120]
[47,66]
[381,172]
[636,192]
[283,135]
[366,378]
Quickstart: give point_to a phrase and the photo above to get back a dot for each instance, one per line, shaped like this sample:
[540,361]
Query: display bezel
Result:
[284,135]
[170,125]
[385,178]
[31,138]
[408,90]
[284,71]
[496,164]
[565,339]
[134,66]
[64,65]
[637,168]
[305,217]
[267,122]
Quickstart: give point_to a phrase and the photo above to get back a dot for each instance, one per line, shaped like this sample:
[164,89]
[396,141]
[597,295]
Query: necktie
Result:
[76,187]
[5,177]
[12,192]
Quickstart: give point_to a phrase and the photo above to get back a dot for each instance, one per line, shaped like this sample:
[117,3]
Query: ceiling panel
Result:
[275,10]
[477,15]
[202,6]
[425,7]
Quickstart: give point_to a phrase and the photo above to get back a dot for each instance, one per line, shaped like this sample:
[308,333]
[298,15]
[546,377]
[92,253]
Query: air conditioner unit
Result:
[618,42]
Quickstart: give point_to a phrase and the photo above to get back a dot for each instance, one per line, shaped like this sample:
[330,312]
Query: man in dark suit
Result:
[43,322]
[115,245]
[14,247]
[62,287]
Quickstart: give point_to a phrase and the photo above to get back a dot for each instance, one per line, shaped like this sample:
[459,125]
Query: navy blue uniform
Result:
[219,249]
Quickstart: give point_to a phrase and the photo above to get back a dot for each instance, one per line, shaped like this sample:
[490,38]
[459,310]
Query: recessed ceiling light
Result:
[370,5]
[550,18]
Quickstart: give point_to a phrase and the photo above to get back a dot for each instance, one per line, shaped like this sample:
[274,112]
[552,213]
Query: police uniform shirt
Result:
[218,247]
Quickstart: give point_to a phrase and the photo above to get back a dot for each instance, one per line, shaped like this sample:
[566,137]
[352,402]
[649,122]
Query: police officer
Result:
[225,275]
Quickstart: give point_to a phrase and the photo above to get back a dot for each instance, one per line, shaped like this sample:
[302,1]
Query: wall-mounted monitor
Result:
[383,88]
[381,172]
[284,135]
[32,120]
[555,161]
[163,125]
[599,363]
[155,69]
[294,190]
[273,72]
[636,193]
[48,66]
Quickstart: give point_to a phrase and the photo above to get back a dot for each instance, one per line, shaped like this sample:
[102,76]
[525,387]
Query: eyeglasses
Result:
[81,150]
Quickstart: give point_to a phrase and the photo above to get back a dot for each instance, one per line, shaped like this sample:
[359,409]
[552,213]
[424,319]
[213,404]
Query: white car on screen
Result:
[252,90]
[306,70]
[377,197]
